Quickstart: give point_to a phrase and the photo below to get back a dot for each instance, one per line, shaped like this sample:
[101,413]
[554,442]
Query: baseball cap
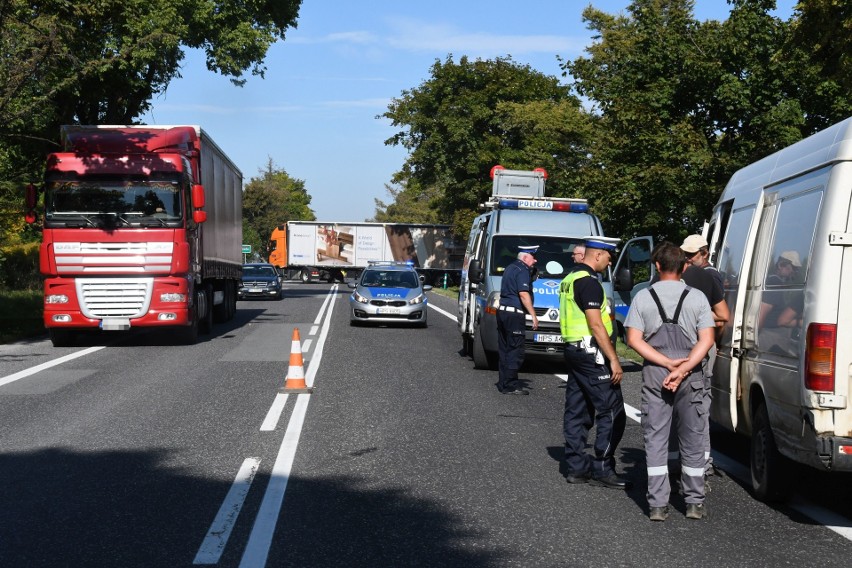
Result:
[693,243]
[793,257]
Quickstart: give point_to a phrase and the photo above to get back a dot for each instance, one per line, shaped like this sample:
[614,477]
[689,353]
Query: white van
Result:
[779,234]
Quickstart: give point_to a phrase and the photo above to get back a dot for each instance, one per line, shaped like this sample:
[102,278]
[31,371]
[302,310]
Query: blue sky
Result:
[314,113]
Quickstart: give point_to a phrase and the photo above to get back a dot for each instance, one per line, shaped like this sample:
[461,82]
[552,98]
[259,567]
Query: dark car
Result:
[388,292]
[260,280]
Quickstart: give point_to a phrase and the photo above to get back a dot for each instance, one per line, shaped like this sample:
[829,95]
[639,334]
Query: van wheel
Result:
[770,471]
[483,359]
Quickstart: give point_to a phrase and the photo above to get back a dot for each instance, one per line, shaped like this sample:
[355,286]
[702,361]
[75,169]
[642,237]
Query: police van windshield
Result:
[554,256]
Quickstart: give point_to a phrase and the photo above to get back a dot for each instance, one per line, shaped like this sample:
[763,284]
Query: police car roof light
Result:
[550,204]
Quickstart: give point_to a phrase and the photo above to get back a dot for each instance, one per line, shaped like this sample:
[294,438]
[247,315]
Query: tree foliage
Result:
[271,200]
[103,61]
[467,117]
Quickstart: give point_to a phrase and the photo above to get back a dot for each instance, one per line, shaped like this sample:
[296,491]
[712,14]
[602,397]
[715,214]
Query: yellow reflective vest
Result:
[572,320]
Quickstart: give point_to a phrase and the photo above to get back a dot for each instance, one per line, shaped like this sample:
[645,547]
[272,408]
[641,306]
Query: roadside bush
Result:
[19,267]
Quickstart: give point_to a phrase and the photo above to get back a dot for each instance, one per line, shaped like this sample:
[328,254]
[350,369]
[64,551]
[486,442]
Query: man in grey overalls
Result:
[671,326]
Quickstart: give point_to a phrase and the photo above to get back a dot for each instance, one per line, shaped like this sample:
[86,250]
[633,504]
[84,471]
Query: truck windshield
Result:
[113,203]
[554,257]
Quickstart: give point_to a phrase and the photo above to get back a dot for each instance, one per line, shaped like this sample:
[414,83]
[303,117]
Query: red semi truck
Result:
[142,228]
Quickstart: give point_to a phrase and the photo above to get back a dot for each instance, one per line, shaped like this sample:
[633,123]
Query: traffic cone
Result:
[295,381]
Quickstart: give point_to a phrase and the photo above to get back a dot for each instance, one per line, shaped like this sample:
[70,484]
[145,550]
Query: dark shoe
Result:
[659,513]
[581,478]
[611,481]
[515,391]
[695,511]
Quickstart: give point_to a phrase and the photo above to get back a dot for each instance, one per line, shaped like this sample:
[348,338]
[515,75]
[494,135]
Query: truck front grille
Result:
[114,297]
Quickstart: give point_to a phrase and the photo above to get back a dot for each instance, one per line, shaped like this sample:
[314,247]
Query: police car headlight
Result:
[359,298]
[418,300]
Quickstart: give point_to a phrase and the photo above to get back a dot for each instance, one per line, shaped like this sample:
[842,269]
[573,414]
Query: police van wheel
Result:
[467,344]
[770,470]
[483,359]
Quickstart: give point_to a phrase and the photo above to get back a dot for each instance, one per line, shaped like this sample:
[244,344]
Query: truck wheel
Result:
[62,337]
[220,312]
[483,359]
[305,276]
[188,335]
[770,471]
[205,303]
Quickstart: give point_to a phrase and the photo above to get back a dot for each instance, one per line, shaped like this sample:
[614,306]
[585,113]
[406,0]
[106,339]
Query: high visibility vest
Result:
[572,320]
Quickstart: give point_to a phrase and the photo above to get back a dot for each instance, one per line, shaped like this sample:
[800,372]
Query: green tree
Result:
[469,116]
[408,206]
[271,200]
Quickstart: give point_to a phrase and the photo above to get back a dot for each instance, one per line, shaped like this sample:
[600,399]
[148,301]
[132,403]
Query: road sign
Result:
[246,249]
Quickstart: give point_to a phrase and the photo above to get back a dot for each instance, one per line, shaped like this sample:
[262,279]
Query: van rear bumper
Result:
[836,452]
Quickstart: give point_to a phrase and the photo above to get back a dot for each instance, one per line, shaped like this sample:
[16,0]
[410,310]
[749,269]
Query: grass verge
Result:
[20,314]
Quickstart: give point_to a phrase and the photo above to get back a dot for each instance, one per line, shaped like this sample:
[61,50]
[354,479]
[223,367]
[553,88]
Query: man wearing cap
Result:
[786,267]
[701,275]
[516,300]
[592,391]
[698,254]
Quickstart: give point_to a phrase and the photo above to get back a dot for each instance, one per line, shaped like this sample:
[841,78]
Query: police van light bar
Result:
[568,206]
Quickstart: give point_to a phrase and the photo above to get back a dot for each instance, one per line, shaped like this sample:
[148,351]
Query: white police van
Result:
[518,214]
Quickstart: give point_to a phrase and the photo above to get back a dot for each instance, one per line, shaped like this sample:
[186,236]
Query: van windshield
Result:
[554,254]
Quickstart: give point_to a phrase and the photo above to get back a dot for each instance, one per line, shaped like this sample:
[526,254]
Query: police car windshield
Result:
[554,257]
[389,279]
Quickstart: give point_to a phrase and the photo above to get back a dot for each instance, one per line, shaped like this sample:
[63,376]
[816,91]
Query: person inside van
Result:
[773,305]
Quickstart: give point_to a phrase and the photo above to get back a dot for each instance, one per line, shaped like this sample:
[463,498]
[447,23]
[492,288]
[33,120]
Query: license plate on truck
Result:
[547,338]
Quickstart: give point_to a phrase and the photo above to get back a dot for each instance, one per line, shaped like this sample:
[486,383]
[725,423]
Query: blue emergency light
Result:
[545,205]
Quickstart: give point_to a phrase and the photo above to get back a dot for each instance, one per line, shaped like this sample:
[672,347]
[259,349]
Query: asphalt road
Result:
[131,451]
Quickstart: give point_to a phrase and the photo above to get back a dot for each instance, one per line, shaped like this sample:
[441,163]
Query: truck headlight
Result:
[56,299]
[172,297]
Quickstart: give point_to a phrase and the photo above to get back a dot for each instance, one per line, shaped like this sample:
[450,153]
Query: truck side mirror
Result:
[199,216]
[198,196]
[474,272]
[623,280]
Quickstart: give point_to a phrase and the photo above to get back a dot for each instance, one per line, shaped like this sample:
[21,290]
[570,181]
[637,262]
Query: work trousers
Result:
[511,328]
[658,405]
[591,399]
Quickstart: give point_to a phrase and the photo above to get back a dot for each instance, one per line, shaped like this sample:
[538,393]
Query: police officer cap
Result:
[604,243]
[529,249]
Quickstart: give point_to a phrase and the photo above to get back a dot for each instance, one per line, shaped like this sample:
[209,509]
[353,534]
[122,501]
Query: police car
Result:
[388,292]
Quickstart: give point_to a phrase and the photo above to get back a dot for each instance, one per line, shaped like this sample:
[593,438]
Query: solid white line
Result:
[260,539]
[217,537]
[33,370]
[443,312]
[270,423]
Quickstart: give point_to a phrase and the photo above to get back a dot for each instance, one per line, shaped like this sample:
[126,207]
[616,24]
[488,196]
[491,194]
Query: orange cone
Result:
[295,381]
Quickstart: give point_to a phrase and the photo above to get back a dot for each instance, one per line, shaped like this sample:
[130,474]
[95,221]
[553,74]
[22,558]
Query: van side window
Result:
[793,237]
[731,256]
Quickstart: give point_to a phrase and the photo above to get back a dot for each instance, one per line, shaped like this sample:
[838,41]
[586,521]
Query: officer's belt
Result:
[511,309]
[573,343]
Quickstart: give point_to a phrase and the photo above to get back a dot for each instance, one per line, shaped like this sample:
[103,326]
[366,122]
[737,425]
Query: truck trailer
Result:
[312,251]
[142,228]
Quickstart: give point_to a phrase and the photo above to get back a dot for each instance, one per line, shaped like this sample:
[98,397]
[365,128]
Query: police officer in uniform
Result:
[592,391]
[516,300]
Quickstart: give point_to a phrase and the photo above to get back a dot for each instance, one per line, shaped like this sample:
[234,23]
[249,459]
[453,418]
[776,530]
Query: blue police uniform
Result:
[511,324]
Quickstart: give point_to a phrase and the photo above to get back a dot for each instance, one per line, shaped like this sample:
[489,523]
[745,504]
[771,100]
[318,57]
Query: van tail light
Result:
[819,357]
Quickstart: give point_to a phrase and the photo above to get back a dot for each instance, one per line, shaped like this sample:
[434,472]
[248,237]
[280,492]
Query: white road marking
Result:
[306,345]
[217,537]
[314,329]
[443,312]
[260,539]
[270,423]
[33,370]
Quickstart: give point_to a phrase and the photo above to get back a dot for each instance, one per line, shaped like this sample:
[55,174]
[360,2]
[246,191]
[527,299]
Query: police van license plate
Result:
[547,338]
[387,310]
